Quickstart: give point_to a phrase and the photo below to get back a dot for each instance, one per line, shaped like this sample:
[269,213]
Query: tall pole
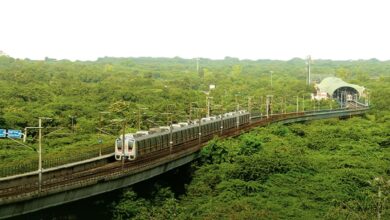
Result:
[250,106]
[123,142]
[303,103]
[40,155]
[139,120]
[100,141]
[297,104]
[170,138]
[208,105]
[267,107]
[237,104]
[100,133]
[261,106]
[237,109]
[200,128]
[308,69]
[197,65]
[190,111]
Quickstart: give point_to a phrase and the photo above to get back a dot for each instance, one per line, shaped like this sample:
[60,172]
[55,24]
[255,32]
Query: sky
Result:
[246,29]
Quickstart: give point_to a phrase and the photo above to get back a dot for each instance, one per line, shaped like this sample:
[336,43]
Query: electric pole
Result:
[123,142]
[197,65]
[100,141]
[269,105]
[40,152]
[139,117]
[308,62]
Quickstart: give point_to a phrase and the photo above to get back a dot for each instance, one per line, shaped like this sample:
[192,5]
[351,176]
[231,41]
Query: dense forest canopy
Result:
[328,169]
[57,89]
[148,92]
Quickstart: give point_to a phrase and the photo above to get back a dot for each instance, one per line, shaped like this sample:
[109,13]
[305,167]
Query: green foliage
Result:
[215,152]
[329,169]
[60,88]
[250,145]
[162,206]
[323,169]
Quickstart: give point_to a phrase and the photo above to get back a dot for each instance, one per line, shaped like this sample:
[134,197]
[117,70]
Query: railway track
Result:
[118,169]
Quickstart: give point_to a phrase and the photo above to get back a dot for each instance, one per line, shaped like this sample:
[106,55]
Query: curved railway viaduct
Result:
[20,194]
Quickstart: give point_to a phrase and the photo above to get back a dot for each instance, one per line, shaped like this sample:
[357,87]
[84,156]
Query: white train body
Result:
[129,150]
[164,138]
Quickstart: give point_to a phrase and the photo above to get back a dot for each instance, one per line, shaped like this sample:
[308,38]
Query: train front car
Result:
[125,149]
[118,149]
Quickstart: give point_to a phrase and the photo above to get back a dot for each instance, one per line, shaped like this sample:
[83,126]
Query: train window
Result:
[178,136]
[119,144]
[159,142]
[150,144]
[166,140]
[140,144]
[130,144]
[151,140]
[147,145]
[175,136]
[140,147]
[155,144]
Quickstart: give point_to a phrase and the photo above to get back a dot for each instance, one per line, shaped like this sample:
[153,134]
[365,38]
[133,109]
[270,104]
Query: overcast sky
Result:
[273,29]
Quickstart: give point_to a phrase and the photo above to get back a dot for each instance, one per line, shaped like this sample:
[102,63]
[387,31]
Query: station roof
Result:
[331,84]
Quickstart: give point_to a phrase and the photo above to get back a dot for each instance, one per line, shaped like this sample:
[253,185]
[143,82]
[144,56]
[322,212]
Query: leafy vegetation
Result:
[326,169]
[77,92]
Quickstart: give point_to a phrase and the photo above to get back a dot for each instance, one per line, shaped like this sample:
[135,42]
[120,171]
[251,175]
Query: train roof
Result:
[231,115]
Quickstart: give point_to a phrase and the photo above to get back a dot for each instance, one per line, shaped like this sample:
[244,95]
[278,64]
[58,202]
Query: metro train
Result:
[144,143]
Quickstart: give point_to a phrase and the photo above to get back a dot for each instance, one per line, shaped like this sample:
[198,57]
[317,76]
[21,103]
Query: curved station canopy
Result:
[333,85]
